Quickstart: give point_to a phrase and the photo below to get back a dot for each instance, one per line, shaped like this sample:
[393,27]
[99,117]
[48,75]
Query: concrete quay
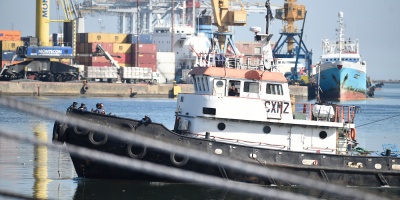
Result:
[97,89]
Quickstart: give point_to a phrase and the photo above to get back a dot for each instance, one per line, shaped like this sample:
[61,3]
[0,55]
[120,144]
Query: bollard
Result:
[207,135]
[388,152]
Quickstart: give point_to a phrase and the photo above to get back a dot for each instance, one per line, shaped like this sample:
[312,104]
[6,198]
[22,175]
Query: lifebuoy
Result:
[136,154]
[353,133]
[97,143]
[80,131]
[177,163]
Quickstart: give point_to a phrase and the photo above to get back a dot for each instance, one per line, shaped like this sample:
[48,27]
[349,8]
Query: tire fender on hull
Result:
[94,140]
[80,131]
[139,151]
[59,132]
[179,163]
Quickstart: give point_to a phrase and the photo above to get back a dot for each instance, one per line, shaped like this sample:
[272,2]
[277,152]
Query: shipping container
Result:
[118,38]
[91,47]
[57,39]
[125,58]
[96,61]
[10,35]
[30,41]
[97,37]
[80,37]
[122,48]
[10,45]
[8,55]
[80,47]
[143,39]
[144,58]
[144,48]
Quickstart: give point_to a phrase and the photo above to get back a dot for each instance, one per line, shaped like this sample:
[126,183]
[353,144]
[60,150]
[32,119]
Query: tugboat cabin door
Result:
[219,87]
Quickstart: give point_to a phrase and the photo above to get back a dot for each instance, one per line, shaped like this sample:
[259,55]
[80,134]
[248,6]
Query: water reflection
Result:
[114,189]
[40,172]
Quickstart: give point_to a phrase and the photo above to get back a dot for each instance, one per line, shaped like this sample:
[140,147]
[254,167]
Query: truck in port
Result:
[38,66]
[115,73]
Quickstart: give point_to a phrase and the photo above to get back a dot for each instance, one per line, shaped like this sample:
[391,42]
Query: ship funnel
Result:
[341,14]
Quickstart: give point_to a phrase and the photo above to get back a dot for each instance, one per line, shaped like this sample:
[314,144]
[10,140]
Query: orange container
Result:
[11,35]
[118,38]
[10,45]
[122,48]
[97,37]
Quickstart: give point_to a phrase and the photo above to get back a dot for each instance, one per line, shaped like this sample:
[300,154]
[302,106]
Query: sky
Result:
[372,22]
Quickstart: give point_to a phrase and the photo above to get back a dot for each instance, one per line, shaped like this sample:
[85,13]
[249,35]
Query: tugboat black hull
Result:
[372,171]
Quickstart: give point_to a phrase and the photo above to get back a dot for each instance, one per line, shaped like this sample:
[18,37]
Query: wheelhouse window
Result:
[251,87]
[195,83]
[199,83]
[234,88]
[275,89]
[206,84]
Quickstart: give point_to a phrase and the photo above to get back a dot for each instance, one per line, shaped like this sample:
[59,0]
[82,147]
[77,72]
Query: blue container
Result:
[8,55]
[143,38]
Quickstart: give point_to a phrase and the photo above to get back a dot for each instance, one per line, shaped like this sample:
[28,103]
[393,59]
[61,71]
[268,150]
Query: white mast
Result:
[340,34]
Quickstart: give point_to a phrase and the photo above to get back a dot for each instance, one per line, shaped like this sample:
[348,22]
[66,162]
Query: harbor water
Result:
[46,174]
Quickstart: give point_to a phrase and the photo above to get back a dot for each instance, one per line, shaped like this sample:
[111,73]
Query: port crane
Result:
[38,64]
[290,13]
[223,19]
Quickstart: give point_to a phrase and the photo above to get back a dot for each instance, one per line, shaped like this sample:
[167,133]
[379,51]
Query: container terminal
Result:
[142,51]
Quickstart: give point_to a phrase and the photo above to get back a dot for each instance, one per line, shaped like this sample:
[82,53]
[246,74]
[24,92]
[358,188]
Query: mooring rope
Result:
[262,171]
[378,120]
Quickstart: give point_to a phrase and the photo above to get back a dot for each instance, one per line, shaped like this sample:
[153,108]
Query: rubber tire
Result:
[127,126]
[76,130]
[132,155]
[55,132]
[97,143]
[178,163]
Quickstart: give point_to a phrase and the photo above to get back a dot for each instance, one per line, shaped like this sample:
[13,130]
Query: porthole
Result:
[323,134]
[219,83]
[221,126]
[267,129]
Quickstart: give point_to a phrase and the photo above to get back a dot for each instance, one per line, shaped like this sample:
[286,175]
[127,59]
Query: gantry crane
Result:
[290,13]
[223,18]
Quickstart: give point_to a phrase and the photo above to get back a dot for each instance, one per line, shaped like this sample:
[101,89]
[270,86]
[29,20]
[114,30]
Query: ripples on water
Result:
[39,173]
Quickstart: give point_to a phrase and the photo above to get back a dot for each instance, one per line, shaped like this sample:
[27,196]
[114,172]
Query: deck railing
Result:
[342,114]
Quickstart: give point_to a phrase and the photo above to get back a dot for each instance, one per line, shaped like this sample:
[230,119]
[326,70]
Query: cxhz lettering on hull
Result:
[277,107]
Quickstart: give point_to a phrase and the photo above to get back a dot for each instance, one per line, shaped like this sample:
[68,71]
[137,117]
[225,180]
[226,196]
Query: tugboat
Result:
[243,114]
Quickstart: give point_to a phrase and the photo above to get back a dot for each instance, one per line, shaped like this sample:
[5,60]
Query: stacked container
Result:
[9,41]
[114,44]
[145,55]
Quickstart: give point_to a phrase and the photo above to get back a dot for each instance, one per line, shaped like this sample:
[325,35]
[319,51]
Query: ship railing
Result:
[249,143]
[341,113]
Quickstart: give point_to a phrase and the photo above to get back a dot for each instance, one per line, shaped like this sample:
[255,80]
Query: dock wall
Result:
[103,89]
